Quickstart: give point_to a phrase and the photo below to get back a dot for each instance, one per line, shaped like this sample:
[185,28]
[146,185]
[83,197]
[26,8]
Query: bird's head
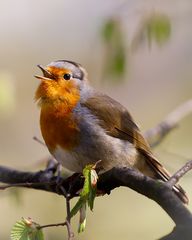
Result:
[62,81]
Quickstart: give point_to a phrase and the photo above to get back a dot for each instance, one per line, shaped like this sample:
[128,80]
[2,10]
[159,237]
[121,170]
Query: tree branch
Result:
[41,180]
[179,174]
[155,135]
[158,191]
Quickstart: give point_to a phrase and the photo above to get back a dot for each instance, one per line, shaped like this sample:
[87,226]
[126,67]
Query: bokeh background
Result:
[137,51]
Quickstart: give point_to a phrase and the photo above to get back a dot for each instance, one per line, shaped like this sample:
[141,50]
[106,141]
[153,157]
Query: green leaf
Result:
[118,64]
[86,192]
[154,28]
[82,219]
[87,183]
[77,207]
[26,229]
[116,56]
[87,195]
[108,29]
[158,28]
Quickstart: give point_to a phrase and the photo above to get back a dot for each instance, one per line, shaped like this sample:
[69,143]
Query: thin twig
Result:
[27,184]
[59,170]
[39,141]
[68,218]
[53,225]
[70,232]
[66,223]
[158,133]
[68,208]
[179,174]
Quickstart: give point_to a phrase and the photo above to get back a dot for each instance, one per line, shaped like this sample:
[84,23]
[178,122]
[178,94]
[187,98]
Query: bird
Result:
[82,126]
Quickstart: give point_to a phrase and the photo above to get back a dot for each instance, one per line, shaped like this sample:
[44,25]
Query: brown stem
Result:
[179,174]
[39,141]
[53,225]
[70,232]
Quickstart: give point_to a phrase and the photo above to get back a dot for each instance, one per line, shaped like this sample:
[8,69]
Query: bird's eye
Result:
[67,76]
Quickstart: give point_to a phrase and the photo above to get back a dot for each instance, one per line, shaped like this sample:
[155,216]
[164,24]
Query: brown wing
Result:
[117,122]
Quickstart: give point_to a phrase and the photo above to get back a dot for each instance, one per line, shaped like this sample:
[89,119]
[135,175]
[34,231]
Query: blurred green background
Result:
[137,51]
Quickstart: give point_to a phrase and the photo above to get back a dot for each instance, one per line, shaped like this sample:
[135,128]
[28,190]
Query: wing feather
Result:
[118,123]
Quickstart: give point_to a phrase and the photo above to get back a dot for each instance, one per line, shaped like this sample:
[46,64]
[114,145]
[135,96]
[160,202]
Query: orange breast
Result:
[57,99]
[59,129]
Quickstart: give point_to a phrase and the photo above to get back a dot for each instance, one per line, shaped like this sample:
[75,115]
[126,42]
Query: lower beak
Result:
[42,78]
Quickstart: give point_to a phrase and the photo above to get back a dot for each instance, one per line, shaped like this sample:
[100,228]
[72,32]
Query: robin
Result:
[81,126]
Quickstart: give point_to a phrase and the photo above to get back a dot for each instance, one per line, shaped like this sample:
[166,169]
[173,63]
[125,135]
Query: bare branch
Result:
[70,232]
[53,225]
[28,185]
[180,173]
[116,177]
[158,133]
[66,223]
[68,219]
[179,233]
[158,191]
[41,180]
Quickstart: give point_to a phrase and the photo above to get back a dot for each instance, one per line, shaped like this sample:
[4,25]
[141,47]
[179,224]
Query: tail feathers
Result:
[162,174]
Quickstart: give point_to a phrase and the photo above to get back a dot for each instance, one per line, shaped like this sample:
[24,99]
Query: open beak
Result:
[46,74]
[42,77]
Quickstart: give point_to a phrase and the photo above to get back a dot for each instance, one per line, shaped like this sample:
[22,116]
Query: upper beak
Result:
[46,74]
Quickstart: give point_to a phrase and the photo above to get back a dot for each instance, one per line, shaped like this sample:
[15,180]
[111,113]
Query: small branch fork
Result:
[66,223]
[160,192]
